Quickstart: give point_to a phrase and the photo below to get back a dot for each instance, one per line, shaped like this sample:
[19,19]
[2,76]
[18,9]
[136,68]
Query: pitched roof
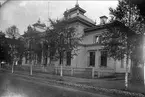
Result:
[103,16]
[75,8]
[77,18]
[97,27]
[38,24]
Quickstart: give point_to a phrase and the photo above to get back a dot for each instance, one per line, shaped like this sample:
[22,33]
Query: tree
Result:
[12,32]
[124,40]
[140,5]
[13,42]
[3,48]
[2,39]
[65,38]
[45,42]
[31,38]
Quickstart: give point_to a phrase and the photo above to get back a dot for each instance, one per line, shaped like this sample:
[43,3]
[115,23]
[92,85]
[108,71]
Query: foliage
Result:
[31,39]
[12,32]
[3,48]
[64,37]
[55,42]
[14,44]
[124,40]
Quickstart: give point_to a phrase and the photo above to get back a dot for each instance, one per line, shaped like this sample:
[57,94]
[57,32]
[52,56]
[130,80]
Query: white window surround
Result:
[96,39]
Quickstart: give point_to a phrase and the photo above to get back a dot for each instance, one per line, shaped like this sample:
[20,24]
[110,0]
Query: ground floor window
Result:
[104,58]
[92,59]
[68,58]
[26,59]
[122,63]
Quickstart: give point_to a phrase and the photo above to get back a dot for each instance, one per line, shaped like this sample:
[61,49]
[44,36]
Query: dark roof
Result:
[38,24]
[104,16]
[75,8]
[77,18]
[97,27]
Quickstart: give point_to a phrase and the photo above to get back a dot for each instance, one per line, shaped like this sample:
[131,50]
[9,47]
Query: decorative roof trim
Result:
[75,8]
[82,21]
[97,27]
[37,24]
[104,16]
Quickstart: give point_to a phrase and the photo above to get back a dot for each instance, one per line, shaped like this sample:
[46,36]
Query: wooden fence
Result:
[88,72]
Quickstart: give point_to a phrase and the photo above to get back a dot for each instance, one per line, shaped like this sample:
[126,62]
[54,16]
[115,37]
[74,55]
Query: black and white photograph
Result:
[72,48]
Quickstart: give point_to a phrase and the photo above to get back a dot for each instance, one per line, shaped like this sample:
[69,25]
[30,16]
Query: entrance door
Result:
[92,59]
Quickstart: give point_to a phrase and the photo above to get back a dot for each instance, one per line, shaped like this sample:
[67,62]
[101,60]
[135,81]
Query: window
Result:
[97,39]
[104,58]
[92,59]
[68,58]
[122,63]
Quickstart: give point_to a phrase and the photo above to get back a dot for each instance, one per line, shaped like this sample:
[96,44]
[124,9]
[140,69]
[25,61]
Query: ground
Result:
[14,86]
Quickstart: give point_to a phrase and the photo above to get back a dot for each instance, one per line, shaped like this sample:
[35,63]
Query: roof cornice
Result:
[83,21]
[98,27]
[75,8]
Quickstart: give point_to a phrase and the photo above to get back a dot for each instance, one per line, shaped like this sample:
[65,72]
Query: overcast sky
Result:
[23,12]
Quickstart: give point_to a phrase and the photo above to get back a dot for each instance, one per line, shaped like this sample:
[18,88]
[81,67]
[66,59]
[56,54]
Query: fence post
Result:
[55,70]
[99,74]
[93,72]
[72,71]
[61,70]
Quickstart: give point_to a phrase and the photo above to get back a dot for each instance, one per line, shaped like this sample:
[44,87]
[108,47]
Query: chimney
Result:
[103,20]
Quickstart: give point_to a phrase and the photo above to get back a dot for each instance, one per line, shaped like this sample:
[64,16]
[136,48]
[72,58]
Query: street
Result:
[12,86]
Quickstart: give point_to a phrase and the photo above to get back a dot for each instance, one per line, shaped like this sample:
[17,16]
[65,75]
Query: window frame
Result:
[93,55]
[99,39]
[103,55]
[122,63]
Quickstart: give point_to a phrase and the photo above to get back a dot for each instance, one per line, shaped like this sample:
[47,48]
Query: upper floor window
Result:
[97,39]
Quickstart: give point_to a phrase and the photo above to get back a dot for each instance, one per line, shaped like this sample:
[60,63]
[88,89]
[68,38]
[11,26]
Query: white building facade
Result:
[91,53]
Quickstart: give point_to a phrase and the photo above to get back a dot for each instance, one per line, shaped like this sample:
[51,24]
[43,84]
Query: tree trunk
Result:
[61,63]
[46,60]
[60,58]
[13,67]
[61,70]
[126,73]
[31,68]
[31,63]
[0,65]
[50,61]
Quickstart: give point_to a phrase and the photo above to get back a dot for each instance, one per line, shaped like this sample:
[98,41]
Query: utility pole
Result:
[77,2]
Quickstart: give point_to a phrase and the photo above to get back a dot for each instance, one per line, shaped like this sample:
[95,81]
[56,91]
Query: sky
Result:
[23,13]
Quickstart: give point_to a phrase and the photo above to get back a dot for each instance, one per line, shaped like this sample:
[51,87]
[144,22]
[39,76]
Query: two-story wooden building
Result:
[90,53]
